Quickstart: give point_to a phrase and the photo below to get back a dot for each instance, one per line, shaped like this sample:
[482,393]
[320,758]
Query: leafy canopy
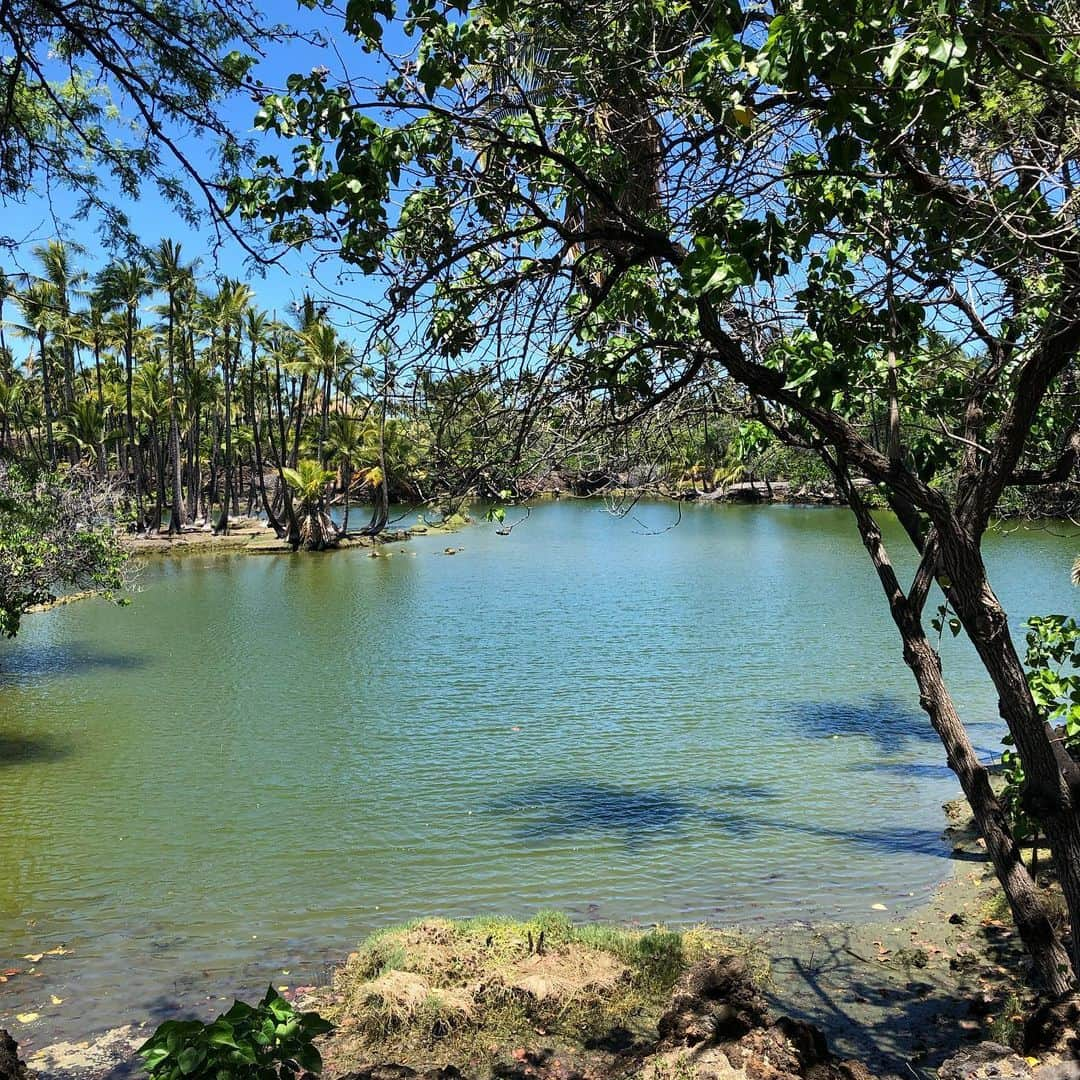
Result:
[840,204]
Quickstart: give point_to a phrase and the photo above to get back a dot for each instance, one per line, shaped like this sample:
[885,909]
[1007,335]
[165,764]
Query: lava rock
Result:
[11,1068]
[985,1061]
[1052,1026]
[715,999]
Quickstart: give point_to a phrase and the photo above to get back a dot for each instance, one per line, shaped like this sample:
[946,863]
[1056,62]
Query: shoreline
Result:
[898,994]
[248,535]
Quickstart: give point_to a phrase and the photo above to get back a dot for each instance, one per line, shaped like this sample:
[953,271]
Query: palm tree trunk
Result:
[178,512]
[299,421]
[46,393]
[222,526]
[347,477]
[260,470]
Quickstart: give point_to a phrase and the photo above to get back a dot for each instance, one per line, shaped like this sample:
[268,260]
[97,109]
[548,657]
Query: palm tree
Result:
[258,327]
[351,442]
[1076,572]
[201,391]
[36,304]
[7,290]
[55,261]
[84,427]
[228,310]
[152,403]
[11,401]
[177,280]
[123,285]
[325,353]
[308,482]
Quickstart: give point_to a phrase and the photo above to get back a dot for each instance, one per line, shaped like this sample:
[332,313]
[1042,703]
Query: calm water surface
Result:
[262,759]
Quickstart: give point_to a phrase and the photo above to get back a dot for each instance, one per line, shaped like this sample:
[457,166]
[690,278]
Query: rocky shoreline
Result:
[942,990]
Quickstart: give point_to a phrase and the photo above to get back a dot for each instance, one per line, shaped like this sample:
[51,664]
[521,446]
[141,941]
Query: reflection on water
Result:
[261,760]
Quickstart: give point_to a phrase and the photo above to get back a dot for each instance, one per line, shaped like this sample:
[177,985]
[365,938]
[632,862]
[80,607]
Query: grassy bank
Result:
[436,992]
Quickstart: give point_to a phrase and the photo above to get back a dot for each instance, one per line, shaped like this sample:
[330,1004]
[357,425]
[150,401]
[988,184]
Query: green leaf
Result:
[946,50]
[710,269]
[190,1058]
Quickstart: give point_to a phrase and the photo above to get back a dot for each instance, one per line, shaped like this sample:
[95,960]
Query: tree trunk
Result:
[158,447]
[1051,777]
[178,512]
[46,394]
[259,468]
[228,495]
[347,477]
[1051,961]
[299,420]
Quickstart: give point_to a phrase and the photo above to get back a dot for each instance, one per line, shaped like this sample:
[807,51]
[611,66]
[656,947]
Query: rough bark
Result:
[1052,962]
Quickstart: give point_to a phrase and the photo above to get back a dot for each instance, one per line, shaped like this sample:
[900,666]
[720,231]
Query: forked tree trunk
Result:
[1051,961]
[1051,777]
[380,512]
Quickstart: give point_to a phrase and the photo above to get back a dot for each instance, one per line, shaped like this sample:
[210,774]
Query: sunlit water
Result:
[262,759]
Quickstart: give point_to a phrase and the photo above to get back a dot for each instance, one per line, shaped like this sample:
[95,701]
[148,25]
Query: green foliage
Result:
[1007,1026]
[308,480]
[620,174]
[1053,674]
[96,97]
[261,1042]
[56,532]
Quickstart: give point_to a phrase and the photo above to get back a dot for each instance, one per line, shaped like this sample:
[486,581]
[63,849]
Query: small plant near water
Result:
[1007,1028]
[1053,674]
[267,1041]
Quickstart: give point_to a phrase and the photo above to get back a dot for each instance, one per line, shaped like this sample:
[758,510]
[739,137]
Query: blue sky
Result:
[48,214]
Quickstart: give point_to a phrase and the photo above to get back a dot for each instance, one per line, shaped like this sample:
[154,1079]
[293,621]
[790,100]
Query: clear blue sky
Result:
[47,215]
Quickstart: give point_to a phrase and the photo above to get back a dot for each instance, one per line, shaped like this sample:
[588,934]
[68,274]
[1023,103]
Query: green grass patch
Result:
[437,991]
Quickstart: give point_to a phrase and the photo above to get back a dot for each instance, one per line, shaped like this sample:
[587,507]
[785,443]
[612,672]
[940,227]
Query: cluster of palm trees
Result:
[194,402]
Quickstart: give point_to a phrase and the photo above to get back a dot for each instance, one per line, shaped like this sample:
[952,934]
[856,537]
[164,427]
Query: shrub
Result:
[250,1042]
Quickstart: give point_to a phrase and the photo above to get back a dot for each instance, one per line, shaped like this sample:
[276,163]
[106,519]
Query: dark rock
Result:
[985,1061]
[1051,1026]
[11,1068]
[382,1072]
[592,482]
[715,999]
[916,958]
[956,919]
[964,960]
[853,1070]
[808,1042]
[983,1004]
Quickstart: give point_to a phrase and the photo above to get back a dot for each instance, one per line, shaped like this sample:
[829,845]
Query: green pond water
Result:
[264,758]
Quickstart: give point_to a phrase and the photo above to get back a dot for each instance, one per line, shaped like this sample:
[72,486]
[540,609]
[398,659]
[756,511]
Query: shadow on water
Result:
[917,770]
[27,663]
[638,815]
[563,809]
[890,723]
[22,749]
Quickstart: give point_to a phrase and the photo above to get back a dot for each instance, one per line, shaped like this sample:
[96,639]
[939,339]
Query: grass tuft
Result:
[436,991]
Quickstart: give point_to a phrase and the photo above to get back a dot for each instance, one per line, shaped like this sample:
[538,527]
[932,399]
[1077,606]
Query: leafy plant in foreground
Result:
[1053,674]
[249,1042]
